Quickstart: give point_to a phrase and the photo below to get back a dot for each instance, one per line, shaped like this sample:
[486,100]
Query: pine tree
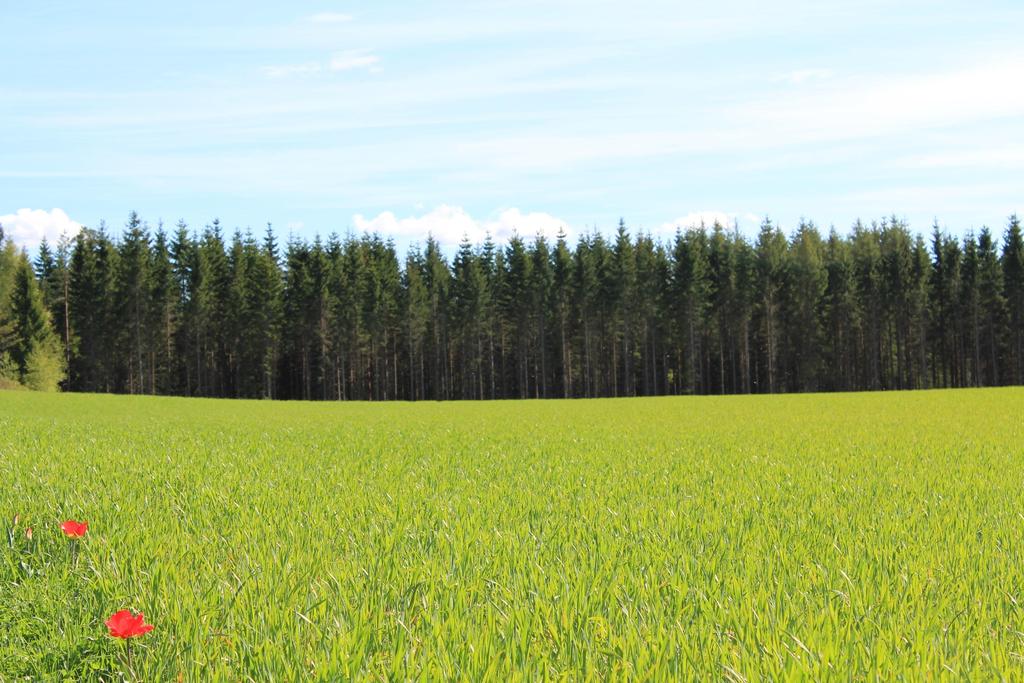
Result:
[34,350]
[44,265]
[213,311]
[721,295]
[866,254]
[896,277]
[261,306]
[469,304]
[10,374]
[993,310]
[562,276]
[806,285]
[187,268]
[52,272]
[492,266]
[838,314]
[162,317]
[946,324]
[93,312]
[437,278]
[131,300]
[689,291]
[299,343]
[417,317]
[970,307]
[540,282]
[1013,284]
[919,320]
[517,309]
[622,283]
[771,272]
[586,311]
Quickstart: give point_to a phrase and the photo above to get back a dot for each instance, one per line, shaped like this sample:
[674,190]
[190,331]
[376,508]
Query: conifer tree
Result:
[771,272]
[561,285]
[1013,283]
[130,305]
[993,310]
[33,349]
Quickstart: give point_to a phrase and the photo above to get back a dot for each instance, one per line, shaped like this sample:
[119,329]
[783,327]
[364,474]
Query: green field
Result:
[855,537]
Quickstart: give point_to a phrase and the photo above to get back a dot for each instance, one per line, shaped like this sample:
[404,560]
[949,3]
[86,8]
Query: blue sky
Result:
[509,115]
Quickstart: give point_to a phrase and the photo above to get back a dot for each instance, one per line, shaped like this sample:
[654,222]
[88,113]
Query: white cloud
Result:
[708,218]
[446,223]
[27,227]
[349,60]
[329,18]
[512,221]
[449,224]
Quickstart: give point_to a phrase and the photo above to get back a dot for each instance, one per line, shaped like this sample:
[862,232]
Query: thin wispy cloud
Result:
[893,103]
[344,61]
[801,76]
[922,196]
[350,61]
[1002,157]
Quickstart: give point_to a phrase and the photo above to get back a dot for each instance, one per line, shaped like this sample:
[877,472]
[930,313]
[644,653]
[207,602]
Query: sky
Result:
[504,116]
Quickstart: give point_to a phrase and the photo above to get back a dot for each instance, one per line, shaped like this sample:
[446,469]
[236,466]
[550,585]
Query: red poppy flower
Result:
[73,529]
[125,625]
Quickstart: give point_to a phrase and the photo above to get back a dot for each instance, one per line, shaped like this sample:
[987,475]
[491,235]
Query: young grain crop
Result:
[748,538]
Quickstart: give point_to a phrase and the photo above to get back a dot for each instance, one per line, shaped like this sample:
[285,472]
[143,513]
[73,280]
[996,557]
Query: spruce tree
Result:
[562,275]
[34,351]
[1013,284]
[993,310]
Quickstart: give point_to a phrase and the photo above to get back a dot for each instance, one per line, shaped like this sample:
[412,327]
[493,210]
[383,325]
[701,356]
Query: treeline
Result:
[708,312]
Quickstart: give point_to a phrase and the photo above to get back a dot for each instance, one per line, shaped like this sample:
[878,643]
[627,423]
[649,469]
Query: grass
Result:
[855,537]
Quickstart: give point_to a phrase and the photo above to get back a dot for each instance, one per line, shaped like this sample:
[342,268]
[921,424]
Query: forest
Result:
[708,311]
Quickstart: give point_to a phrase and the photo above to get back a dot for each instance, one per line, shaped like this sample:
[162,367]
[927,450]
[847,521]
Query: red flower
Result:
[124,625]
[73,529]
